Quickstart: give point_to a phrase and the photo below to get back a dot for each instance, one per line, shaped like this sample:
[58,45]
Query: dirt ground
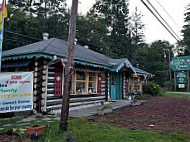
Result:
[159,113]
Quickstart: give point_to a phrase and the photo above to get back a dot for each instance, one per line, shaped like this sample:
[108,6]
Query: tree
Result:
[114,15]
[19,22]
[51,15]
[137,27]
[152,60]
[137,35]
[93,32]
[186,28]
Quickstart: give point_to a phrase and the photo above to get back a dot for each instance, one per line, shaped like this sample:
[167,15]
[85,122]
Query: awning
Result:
[16,63]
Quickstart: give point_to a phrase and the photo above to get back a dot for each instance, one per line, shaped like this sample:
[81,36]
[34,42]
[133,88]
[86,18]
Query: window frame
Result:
[86,81]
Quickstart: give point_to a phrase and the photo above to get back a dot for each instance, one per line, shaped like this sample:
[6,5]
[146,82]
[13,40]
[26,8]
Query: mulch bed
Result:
[10,138]
[160,113]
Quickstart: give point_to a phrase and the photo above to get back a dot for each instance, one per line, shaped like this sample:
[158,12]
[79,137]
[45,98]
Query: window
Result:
[92,83]
[80,83]
[85,82]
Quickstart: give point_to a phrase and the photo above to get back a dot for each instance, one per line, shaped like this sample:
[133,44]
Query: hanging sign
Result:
[16,91]
[181,77]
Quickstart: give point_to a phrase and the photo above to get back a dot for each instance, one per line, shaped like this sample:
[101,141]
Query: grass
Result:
[175,95]
[84,131]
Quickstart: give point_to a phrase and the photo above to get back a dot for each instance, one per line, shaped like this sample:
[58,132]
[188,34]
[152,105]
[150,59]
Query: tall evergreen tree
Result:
[115,14]
[51,14]
[186,28]
[137,35]
[152,59]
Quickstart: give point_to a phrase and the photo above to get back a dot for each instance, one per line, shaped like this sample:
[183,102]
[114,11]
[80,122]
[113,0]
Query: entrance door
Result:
[116,86]
[113,87]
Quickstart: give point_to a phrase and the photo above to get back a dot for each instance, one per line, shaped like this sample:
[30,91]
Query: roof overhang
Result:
[127,64]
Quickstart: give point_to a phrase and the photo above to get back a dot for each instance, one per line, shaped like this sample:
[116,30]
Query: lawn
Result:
[175,95]
[84,131]
[162,119]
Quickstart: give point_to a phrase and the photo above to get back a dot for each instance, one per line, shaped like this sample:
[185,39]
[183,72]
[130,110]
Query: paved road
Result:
[177,92]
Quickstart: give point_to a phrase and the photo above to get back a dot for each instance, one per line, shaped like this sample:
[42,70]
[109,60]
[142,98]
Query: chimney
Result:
[86,46]
[45,36]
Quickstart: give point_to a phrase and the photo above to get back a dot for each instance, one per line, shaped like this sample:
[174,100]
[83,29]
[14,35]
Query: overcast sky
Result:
[154,30]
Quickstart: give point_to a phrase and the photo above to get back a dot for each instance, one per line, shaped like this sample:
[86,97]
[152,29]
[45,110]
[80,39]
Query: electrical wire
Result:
[159,20]
[168,14]
[22,35]
[164,20]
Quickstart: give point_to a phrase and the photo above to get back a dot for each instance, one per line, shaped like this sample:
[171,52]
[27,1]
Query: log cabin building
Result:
[95,77]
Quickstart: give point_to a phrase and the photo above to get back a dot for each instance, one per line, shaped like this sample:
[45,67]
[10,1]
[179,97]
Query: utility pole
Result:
[169,58]
[70,53]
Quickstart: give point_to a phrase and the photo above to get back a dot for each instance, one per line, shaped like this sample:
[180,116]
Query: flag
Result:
[3,10]
[3,14]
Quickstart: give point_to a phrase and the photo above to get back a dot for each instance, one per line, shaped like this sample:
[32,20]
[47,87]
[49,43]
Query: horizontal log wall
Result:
[55,102]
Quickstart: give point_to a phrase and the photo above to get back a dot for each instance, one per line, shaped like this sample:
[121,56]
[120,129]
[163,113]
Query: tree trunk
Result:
[70,52]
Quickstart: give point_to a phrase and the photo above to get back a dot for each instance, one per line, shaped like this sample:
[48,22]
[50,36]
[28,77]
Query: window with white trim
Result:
[85,82]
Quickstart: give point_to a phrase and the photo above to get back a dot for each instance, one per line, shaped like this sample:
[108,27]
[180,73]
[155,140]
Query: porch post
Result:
[106,87]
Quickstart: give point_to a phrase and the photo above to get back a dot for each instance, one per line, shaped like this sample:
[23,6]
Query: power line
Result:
[160,20]
[168,14]
[18,38]
[22,35]
[163,19]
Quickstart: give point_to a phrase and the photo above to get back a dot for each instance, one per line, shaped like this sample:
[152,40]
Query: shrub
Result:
[142,96]
[153,89]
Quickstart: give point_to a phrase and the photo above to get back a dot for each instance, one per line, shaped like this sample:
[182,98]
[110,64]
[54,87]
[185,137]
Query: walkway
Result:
[84,112]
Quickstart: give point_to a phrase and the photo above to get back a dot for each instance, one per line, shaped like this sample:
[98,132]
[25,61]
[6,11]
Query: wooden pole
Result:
[175,81]
[188,80]
[70,52]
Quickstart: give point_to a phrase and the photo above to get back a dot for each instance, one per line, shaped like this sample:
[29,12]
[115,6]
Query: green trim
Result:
[122,64]
[37,54]
[92,64]
[30,55]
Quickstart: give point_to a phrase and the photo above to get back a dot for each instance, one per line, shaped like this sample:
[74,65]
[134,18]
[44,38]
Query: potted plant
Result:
[39,129]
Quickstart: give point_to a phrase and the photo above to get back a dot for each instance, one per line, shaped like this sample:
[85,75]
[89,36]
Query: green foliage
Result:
[153,89]
[186,28]
[69,137]
[151,58]
[32,18]
[176,95]
[83,131]
[106,28]
[142,96]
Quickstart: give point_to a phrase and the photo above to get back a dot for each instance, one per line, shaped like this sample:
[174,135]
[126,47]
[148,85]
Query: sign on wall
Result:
[16,91]
[180,63]
[181,77]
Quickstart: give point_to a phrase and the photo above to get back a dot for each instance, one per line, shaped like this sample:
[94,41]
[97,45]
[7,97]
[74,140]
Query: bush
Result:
[142,96]
[153,89]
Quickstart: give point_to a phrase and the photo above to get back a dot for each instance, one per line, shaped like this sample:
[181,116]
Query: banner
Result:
[16,91]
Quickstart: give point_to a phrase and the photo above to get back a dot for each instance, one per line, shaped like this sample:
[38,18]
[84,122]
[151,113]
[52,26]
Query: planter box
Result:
[38,129]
